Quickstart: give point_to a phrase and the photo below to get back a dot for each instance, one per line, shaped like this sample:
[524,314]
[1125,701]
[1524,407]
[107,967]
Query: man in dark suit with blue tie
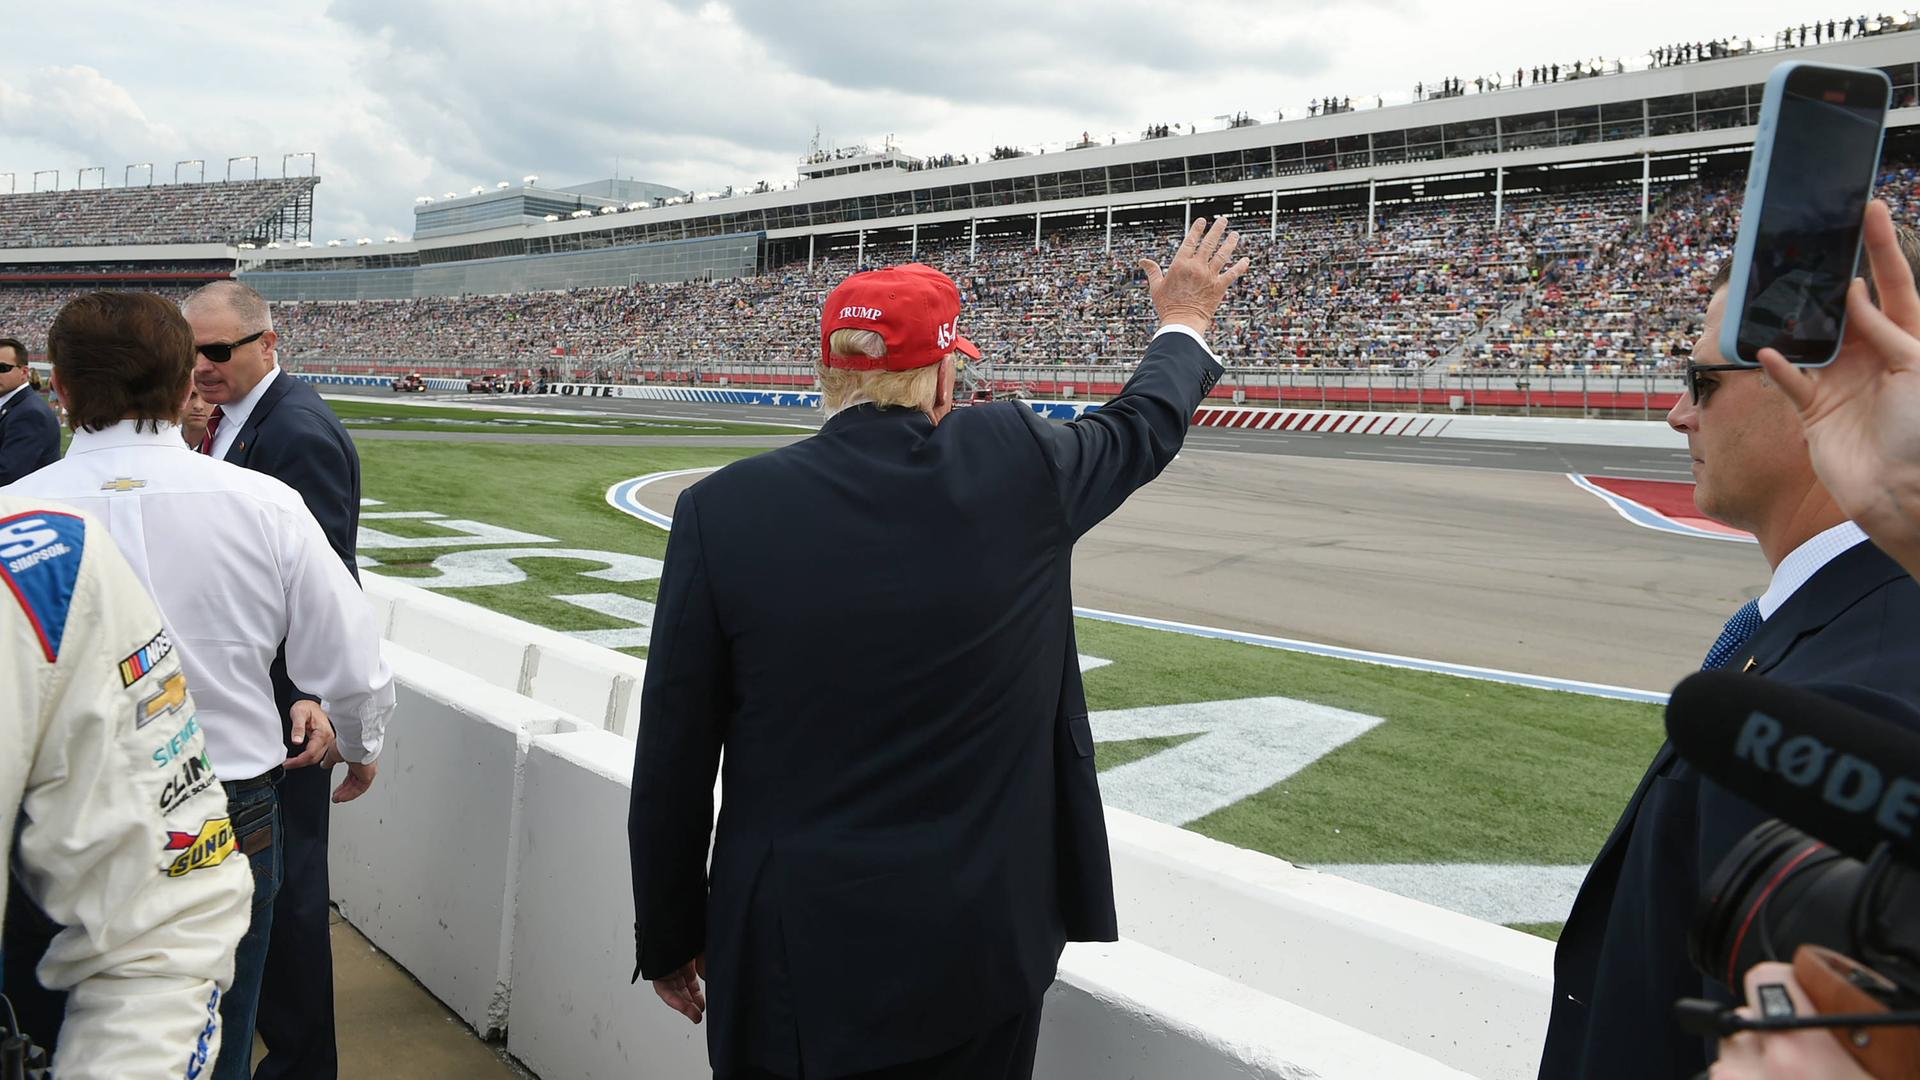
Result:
[267,420]
[1837,610]
[876,626]
[29,432]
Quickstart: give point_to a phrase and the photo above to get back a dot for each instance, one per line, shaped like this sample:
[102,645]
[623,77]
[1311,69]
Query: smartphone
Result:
[1814,163]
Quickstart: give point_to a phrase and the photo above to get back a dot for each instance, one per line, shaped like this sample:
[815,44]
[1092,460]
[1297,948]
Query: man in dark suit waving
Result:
[29,432]
[1836,611]
[266,420]
[911,828]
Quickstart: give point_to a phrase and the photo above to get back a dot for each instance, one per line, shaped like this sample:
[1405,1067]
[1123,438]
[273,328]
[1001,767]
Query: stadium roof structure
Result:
[508,204]
[1397,152]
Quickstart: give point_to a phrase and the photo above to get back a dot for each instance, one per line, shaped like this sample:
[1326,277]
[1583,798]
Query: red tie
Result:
[213,429]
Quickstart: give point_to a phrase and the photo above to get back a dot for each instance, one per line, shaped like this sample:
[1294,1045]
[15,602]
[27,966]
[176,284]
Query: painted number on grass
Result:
[1244,747]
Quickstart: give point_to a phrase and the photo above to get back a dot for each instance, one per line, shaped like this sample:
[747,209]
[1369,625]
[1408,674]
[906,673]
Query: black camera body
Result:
[1779,889]
[1839,870]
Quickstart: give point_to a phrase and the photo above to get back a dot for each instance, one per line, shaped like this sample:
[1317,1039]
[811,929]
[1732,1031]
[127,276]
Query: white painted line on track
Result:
[624,497]
[1609,469]
[1403,455]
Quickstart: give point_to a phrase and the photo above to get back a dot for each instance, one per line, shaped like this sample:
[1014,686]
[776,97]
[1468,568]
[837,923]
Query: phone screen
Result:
[1826,147]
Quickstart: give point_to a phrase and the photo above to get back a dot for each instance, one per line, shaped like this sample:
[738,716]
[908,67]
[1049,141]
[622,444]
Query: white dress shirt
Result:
[1806,561]
[233,415]
[236,564]
[11,394]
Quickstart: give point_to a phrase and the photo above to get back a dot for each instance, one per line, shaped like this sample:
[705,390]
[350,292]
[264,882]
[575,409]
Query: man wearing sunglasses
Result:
[271,422]
[29,432]
[1836,610]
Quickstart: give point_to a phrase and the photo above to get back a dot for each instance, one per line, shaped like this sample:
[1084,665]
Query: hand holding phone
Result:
[1814,163]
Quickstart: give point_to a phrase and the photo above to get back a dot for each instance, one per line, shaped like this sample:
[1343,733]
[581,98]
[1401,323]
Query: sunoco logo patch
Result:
[209,847]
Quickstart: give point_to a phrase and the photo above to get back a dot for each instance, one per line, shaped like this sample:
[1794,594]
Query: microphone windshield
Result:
[1839,762]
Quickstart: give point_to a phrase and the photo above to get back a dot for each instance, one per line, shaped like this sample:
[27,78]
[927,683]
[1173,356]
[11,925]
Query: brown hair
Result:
[121,356]
[1905,235]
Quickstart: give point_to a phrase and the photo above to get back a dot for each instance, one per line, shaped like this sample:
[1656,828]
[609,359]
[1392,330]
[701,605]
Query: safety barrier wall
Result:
[1469,995]
[599,687]
[489,861]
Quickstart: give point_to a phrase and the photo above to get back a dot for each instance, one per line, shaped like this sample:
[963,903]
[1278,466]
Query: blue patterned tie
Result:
[1739,629]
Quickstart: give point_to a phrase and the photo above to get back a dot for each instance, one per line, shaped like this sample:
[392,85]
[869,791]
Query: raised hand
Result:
[1861,414]
[1191,288]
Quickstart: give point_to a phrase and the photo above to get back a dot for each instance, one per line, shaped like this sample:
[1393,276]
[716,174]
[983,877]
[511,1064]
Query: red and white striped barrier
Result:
[1407,425]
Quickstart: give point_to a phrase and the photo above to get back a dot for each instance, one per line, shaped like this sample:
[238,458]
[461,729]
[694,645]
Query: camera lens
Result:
[1776,890]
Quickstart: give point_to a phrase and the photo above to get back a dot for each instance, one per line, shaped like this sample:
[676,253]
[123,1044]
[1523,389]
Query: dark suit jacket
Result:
[1622,956]
[29,435]
[293,436]
[876,625]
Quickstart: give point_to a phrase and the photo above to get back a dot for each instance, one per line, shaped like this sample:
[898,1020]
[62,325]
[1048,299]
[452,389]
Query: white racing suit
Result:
[122,828]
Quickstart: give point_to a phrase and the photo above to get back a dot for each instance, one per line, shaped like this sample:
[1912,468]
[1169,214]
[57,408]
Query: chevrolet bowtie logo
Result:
[122,485]
[172,695]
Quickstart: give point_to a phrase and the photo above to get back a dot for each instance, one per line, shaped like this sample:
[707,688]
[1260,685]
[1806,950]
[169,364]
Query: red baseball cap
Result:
[914,307]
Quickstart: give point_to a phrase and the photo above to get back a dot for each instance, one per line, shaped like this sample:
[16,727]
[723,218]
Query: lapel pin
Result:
[1750,665]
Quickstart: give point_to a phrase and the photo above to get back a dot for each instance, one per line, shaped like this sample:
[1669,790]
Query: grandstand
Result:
[1557,227]
[226,212]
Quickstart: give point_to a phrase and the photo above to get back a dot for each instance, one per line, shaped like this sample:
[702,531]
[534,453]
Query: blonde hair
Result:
[840,387]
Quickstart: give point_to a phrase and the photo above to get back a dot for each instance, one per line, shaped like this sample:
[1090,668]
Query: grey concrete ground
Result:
[1491,563]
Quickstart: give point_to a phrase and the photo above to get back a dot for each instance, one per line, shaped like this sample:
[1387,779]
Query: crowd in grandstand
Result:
[1570,280]
[166,214]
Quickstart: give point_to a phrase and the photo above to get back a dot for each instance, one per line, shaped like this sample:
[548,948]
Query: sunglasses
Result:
[221,353]
[1701,389]
[13,367]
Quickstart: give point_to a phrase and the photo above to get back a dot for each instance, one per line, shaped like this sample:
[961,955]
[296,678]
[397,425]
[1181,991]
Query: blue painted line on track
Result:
[1648,519]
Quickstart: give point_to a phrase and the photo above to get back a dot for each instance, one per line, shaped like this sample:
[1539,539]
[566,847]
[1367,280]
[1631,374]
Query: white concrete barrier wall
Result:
[1461,991]
[490,863]
[1122,1011]
[597,686]
[1466,993]
[424,863]
[575,1011]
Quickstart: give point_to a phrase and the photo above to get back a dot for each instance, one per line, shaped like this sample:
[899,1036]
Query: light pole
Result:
[43,172]
[243,157]
[190,161]
[126,178]
[312,162]
[81,180]
[12,183]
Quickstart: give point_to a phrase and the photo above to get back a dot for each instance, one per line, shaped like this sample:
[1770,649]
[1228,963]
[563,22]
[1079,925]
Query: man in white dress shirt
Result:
[237,565]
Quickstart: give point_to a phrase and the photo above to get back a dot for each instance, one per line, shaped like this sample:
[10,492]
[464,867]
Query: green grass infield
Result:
[1458,771]
[362,414]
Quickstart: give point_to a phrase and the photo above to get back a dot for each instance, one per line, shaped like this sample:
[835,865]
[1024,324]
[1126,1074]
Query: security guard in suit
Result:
[29,432]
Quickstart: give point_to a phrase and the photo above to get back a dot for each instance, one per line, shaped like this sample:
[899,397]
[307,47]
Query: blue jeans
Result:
[238,1006]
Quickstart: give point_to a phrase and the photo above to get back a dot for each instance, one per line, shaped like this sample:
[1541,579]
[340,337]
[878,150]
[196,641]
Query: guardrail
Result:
[487,863]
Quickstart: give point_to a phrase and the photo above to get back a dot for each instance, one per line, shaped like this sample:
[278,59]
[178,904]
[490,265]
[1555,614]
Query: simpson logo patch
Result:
[135,667]
[40,563]
[209,847]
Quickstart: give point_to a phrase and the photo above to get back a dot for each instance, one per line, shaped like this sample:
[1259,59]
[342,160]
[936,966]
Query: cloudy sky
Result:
[400,98]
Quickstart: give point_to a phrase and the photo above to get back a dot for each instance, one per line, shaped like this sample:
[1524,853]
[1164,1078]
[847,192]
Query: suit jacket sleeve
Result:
[682,719]
[308,456]
[24,440]
[1105,456]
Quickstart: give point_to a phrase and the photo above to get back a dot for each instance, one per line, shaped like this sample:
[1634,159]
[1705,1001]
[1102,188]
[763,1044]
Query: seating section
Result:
[1570,280]
[216,213]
